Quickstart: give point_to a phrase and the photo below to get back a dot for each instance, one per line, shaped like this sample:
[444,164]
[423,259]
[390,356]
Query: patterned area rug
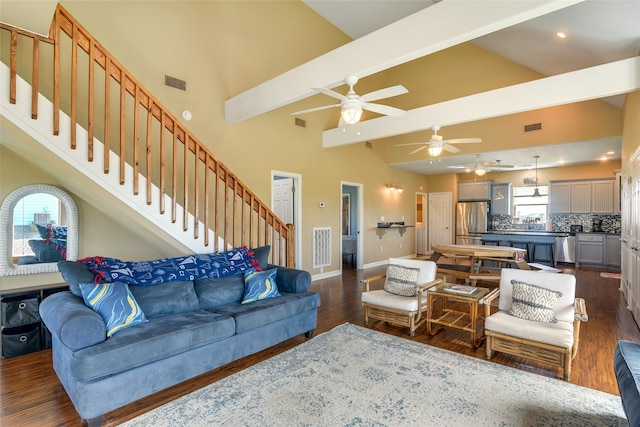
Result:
[352,376]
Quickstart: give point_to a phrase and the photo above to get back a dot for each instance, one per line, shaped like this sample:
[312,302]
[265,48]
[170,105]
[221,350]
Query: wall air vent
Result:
[301,123]
[175,83]
[533,127]
[368,144]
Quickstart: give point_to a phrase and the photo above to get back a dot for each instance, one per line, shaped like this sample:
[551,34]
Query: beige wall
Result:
[223,48]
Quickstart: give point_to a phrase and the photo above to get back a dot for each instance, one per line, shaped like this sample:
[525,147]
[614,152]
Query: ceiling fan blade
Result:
[463,140]
[330,93]
[384,93]
[310,110]
[450,148]
[384,109]
[418,149]
[412,143]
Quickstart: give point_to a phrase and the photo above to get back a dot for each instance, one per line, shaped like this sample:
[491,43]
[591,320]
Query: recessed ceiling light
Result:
[611,153]
[561,161]
[604,158]
[561,34]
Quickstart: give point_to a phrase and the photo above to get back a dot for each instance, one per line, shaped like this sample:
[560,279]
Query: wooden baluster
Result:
[207,173]
[196,189]
[174,174]
[56,74]
[123,129]
[13,67]
[136,140]
[107,113]
[35,78]
[74,86]
[148,151]
[185,184]
[216,208]
[163,160]
[91,111]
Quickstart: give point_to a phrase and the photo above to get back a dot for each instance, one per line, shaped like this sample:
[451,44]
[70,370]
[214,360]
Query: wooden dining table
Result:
[468,260]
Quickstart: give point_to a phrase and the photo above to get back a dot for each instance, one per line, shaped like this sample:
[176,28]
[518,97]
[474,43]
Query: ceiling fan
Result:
[352,104]
[480,168]
[436,144]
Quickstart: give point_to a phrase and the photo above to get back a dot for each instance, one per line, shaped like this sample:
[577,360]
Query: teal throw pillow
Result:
[114,303]
[259,285]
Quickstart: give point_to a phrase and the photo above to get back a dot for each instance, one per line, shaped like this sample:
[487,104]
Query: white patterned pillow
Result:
[401,280]
[533,302]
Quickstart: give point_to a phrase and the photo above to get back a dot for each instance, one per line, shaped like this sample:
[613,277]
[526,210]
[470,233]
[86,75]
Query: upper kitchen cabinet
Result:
[579,197]
[474,190]
[501,200]
[602,196]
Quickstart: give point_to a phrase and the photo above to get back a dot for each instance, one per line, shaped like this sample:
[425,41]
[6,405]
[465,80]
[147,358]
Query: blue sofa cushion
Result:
[51,231]
[626,363]
[261,255]
[159,338]
[220,291]
[46,251]
[259,285]
[71,321]
[260,313]
[114,303]
[166,298]
[75,273]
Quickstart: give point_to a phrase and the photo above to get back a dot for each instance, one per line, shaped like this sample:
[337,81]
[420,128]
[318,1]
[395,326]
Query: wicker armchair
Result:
[395,309]
[553,342]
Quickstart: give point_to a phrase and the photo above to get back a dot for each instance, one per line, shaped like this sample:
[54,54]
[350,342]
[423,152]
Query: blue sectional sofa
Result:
[191,327]
[626,364]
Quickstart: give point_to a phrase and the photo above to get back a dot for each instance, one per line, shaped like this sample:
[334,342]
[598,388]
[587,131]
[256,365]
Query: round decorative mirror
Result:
[39,226]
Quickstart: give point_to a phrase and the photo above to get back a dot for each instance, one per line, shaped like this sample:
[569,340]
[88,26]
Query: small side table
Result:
[464,321]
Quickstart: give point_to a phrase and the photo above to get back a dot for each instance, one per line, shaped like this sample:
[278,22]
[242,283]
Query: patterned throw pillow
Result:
[114,303]
[401,280]
[534,303]
[259,285]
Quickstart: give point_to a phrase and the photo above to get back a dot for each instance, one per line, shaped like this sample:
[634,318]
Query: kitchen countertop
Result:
[528,233]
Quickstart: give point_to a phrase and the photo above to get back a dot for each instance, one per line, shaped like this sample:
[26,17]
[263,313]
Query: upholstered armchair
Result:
[538,317]
[403,301]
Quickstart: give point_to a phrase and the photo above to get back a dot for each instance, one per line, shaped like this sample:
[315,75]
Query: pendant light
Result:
[498,194]
[536,192]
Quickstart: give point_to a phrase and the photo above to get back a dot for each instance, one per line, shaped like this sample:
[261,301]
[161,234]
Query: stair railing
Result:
[132,123]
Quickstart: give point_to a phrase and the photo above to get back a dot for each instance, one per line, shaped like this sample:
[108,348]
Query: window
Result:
[528,209]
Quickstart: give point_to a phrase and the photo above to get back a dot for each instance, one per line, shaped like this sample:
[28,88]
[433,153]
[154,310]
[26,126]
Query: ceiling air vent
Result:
[533,127]
[174,82]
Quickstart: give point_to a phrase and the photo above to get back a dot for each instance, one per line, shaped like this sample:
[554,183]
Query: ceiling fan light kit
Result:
[437,144]
[480,171]
[435,150]
[351,112]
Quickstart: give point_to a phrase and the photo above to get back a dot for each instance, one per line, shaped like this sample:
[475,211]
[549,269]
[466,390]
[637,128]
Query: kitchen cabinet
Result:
[612,247]
[602,193]
[474,190]
[589,248]
[501,206]
[582,197]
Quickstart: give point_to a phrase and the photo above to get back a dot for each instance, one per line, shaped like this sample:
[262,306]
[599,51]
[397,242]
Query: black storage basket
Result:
[21,340]
[20,310]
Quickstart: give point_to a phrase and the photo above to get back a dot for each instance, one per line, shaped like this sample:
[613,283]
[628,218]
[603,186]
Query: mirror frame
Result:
[7,268]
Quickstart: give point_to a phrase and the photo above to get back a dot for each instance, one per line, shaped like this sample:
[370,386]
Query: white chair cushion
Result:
[427,268]
[382,298]
[559,334]
[564,283]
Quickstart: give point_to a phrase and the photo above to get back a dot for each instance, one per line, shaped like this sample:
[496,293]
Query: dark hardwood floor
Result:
[32,396]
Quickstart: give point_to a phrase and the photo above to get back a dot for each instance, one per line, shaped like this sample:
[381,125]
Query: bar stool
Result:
[522,245]
[550,251]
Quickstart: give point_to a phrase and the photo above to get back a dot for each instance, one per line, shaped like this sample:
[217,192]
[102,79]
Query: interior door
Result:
[283,199]
[439,219]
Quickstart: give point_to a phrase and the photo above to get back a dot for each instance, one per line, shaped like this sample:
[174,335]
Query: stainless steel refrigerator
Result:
[472,219]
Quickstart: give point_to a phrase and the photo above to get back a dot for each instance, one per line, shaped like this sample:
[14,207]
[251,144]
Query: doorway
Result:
[351,218]
[286,203]
[421,224]
[439,219]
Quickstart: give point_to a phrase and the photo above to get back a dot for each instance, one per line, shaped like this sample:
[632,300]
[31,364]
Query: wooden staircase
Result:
[87,109]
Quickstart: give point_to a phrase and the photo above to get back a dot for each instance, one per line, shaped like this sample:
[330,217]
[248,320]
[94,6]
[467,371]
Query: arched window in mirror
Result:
[39,226]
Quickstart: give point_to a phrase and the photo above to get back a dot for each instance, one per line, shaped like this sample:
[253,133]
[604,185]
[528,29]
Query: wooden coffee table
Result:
[464,321]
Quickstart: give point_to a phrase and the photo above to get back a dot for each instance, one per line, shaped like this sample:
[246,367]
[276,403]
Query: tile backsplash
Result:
[560,223]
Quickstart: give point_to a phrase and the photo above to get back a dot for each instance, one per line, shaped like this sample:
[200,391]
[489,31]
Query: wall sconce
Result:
[394,187]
